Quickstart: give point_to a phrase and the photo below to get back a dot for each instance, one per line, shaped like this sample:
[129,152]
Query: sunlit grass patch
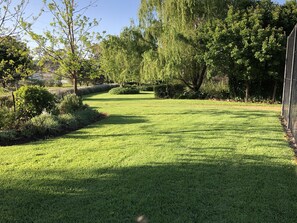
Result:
[169,160]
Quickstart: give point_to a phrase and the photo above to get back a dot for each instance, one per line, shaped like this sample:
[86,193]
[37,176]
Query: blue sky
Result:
[114,14]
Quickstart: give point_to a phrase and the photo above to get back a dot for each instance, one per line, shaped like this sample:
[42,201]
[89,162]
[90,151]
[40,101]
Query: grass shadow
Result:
[118,99]
[216,190]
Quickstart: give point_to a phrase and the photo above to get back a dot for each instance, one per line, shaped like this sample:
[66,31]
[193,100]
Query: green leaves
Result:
[68,42]
[15,60]
[250,44]
[32,100]
[121,56]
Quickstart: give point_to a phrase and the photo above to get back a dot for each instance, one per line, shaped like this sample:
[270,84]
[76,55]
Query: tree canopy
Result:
[181,44]
[15,60]
[249,47]
[70,38]
[121,56]
[192,39]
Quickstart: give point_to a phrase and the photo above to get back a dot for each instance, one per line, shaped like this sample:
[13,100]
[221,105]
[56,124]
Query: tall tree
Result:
[121,56]
[249,46]
[69,41]
[180,46]
[15,60]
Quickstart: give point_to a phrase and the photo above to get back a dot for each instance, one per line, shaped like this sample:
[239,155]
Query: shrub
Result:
[45,124]
[7,118]
[41,126]
[70,103]
[95,89]
[86,116]
[161,91]
[124,90]
[68,121]
[147,88]
[7,136]
[32,100]
[214,89]
[168,90]
[6,101]
[60,93]
[192,95]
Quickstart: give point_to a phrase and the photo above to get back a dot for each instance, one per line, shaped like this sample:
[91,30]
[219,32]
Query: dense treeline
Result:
[190,41]
[67,48]
[184,42]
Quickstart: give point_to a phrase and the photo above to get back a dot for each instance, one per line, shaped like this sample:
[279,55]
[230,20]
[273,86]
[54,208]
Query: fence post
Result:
[285,77]
[291,83]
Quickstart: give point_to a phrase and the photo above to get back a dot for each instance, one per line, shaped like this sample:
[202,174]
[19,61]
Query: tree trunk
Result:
[247,91]
[196,81]
[201,77]
[274,91]
[75,85]
[13,100]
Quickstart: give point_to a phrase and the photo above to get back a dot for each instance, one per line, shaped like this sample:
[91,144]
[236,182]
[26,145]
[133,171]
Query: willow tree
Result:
[121,56]
[180,45]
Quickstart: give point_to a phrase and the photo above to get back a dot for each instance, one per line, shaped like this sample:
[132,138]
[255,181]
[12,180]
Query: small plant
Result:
[214,89]
[72,114]
[71,103]
[192,95]
[32,100]
[124,90]
[7,118]
[68,121]
[6,136]
[95,89]
[147,88]
[168,90]
[86,116]
[41,126]
[6,101]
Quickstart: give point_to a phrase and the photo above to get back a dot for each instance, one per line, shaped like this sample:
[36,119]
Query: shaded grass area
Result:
[170,160]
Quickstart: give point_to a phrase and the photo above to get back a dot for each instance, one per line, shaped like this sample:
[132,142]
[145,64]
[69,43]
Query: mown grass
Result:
[170,160]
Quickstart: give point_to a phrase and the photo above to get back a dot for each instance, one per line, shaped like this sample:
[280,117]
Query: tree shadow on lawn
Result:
[250,129]
[236,113]
[229,114]
[176,134]
[208,190]
[83,133]
[118,99]
[123,120]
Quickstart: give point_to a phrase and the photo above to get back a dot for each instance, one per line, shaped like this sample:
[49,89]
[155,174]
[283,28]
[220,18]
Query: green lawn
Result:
[170,160]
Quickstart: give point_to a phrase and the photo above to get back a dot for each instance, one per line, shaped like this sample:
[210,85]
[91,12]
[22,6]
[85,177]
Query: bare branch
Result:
[11,17]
